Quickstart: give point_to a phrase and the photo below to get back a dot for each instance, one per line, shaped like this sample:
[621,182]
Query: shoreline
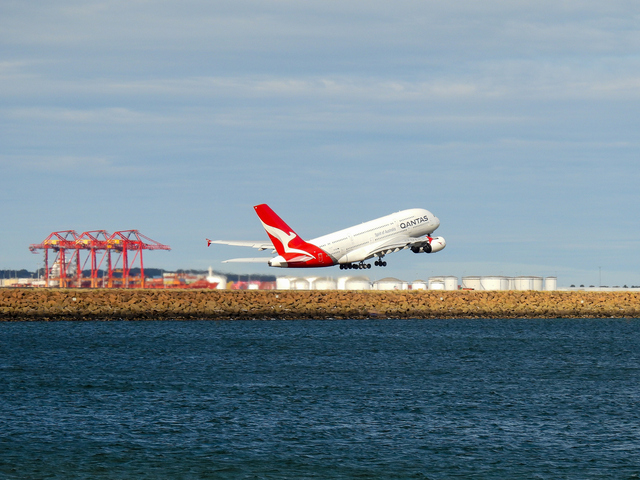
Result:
[26,304]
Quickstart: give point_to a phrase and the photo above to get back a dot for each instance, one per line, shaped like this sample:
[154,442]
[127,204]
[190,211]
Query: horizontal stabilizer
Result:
[260,245]
[248,260]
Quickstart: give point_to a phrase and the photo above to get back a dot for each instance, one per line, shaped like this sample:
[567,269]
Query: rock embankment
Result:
[84,304]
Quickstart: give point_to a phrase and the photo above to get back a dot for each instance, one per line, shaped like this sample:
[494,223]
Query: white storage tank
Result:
[522,283]
[473,283]
[324,283]
[388,283]
[551,284]
[494,283]
[354,283]
[527,283]
[300,284]
[537,283]
[450,282]
[419,285]
[447,282]
[284,283]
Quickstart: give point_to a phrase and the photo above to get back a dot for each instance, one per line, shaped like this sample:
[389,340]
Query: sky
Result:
[517,123]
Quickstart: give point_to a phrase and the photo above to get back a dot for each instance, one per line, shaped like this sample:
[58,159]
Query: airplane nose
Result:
[436,222]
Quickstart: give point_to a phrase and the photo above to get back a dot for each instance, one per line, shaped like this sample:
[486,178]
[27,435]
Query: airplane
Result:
[350,247]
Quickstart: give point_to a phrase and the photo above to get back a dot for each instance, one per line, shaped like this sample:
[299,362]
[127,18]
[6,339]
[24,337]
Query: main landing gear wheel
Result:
[357,266]
[380,263]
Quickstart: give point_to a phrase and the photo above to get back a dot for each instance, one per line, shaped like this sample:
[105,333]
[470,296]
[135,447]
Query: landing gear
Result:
[357,266]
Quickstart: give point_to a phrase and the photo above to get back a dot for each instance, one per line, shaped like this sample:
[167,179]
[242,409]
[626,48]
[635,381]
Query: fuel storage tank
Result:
[527,283]
[446,282]
[494,283]
[471,283]
[354,283]
[551,284]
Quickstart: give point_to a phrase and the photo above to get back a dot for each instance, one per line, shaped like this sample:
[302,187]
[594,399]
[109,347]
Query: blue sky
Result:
[516,123]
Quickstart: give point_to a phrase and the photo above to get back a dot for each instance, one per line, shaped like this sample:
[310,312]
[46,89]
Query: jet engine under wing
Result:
[417,245]
[260,245]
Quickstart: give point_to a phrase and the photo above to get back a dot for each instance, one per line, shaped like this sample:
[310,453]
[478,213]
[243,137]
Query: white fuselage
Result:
[353,244]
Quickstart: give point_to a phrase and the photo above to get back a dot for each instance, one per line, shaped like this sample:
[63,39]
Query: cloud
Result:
[68,165]
[359,36]
[68,115]
[522,83]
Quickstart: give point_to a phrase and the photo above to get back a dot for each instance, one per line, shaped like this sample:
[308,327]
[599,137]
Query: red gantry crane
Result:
[94,241]
[67,245]
[59,242]
[130,240]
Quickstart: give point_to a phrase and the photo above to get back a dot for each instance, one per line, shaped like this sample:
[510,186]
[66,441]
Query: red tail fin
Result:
[292,250]
[282,236]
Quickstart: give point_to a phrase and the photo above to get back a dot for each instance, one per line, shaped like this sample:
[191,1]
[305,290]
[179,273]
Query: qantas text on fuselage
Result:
[350,247]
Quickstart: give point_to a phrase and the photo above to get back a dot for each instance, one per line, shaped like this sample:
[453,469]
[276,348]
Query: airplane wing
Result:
[260,245]
[395,245]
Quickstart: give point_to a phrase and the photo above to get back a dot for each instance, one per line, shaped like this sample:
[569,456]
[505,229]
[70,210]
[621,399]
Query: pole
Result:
[78,269]
[125,266]
[141,269]
[63,269]
[94,269]
[110,271]
[46,266]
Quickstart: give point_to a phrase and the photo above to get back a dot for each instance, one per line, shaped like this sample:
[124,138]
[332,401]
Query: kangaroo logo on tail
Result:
[284,239]
[293,251]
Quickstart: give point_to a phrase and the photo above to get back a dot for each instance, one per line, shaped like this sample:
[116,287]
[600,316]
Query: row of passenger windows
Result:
[358,245]
[362,233]
[372,229]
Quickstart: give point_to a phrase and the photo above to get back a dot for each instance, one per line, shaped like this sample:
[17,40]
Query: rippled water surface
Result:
[321,399]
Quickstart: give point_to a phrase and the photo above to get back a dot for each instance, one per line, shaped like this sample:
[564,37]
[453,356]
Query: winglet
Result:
[208,242]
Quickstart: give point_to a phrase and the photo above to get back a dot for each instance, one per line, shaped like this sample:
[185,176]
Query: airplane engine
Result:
[437,244]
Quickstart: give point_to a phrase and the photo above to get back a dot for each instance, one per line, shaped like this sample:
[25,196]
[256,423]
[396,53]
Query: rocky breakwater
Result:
[18,304]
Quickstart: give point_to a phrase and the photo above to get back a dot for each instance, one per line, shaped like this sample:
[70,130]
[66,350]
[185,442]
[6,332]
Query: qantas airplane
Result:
[350,247]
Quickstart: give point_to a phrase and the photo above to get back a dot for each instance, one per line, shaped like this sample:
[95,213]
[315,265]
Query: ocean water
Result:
[372,399]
